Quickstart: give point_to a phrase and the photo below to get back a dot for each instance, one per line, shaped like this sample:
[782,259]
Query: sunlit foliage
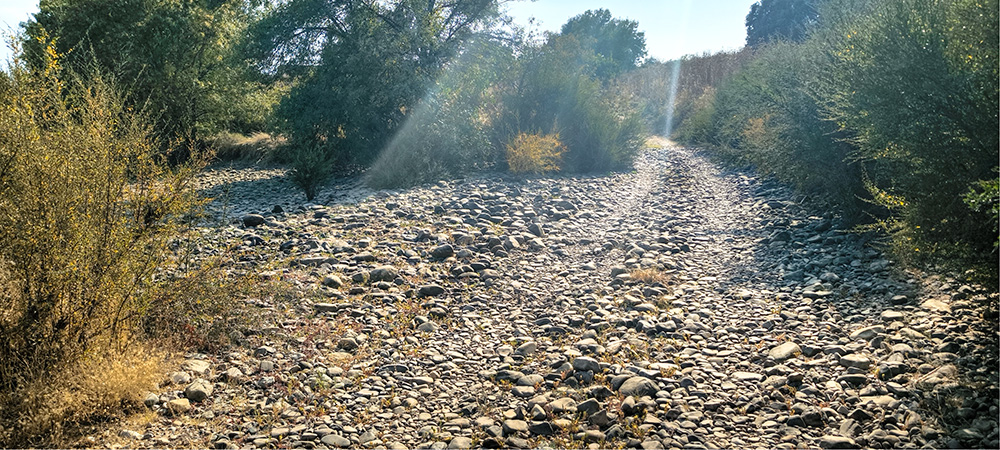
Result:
[534,153]
[85,211]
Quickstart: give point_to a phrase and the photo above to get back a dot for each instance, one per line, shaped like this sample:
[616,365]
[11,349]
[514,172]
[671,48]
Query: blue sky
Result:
[13,12]
[673,28]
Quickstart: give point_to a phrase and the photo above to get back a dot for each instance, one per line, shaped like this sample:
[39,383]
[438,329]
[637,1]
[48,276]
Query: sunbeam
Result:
[675,72]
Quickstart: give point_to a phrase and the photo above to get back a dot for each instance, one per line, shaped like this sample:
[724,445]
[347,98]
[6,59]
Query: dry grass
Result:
[651,276]
[55,412]
[258,147]
[89,210]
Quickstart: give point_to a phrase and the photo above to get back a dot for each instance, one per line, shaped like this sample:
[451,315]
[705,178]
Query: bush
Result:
[86,211]
[894,102]
[202,303]
[602,128]
[766,115]
[695,124]
[555,92]
[534,153]
[311,168]
[914,85]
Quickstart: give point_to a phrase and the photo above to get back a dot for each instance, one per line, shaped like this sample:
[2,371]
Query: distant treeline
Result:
[887,108]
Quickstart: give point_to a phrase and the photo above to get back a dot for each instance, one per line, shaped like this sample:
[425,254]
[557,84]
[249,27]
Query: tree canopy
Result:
[174,57]
[771,20]
[617,43]
[363,64]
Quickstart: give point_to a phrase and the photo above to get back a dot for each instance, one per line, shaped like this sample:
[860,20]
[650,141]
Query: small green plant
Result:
[312,166]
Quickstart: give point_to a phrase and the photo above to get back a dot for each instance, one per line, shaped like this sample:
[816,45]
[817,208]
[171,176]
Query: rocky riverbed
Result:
[676,306]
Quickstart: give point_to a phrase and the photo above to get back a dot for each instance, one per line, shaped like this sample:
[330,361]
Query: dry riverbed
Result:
[676,306]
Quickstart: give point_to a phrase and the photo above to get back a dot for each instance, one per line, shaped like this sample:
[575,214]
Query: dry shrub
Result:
[53,413]
[86,209]
[205,307]
[535,153]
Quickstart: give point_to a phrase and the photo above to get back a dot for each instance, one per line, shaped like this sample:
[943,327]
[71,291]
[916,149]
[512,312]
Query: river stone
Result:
[460,442]
[523,391]
[334,440]
[198,390]
[867,333]
[891,316]
[638,387]
[333,281]
[178,406]
[563,405]
[150,399]
[443,251]
[784,351]
[515,426]
[430,290]
[526,348]
[253,220]
[830,441]
[383,273]
[196,366]
[747,376]
[935,305]
[585,363]
[855,360]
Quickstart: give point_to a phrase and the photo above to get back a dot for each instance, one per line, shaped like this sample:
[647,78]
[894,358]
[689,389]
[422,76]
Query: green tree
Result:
[556,90]
[449,131]
[771,20]
[361,65]
[173,56]
[617,44]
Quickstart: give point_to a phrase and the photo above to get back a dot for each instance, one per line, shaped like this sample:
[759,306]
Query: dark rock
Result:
[253,220]
[430,290]
[638,387]
[443,251]
[384,273]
